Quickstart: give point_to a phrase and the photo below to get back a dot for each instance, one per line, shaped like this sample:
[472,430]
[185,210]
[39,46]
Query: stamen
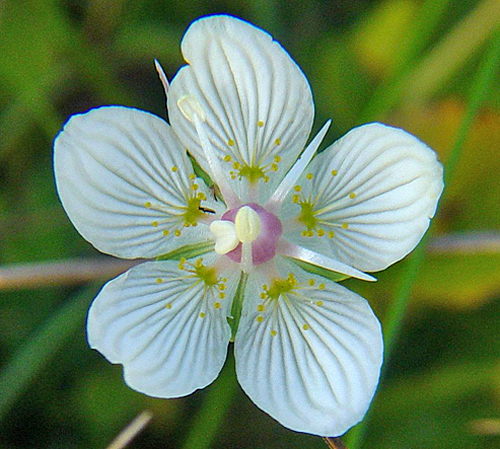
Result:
[163,77]
[225,236]
[293,175]
[191,108]
[314,258]
[193,111]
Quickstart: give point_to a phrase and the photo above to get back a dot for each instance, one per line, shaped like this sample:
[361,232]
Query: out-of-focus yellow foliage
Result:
[447,281]
[379,34]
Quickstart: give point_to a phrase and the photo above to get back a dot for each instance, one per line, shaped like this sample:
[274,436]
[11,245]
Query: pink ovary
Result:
[264,246]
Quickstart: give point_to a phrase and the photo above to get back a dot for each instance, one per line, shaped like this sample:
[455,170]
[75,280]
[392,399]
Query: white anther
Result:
[225,236]
[190,107]
[247,223]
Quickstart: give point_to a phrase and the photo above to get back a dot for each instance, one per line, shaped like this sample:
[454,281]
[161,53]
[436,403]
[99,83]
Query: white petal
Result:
[374,191]
[123,180]
[148,319]
[311,360]
[256,101]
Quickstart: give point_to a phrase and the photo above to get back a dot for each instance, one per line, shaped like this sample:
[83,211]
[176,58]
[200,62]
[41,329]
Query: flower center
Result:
[249,224]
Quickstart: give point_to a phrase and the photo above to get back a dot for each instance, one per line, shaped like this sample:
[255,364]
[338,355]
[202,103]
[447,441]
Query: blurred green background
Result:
[429,66]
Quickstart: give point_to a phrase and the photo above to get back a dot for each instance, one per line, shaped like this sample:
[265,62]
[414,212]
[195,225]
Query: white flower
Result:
[307,350]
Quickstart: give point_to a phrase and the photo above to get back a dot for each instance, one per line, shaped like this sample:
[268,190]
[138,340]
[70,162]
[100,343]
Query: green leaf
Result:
[320,271]
[22,369]
[188,251]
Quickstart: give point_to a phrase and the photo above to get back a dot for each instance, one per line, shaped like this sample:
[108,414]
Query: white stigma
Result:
[247,224]
[245,229]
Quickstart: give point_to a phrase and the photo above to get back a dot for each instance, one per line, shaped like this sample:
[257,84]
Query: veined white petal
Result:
[127,185]
[168,330]
[320,260]
[372,193]
[310,356]
[257,102]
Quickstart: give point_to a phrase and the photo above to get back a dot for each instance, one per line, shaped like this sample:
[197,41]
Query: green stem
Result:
[207,422]
[237,305]
[24,366]
[205,425]
[452,52]
[393,322]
